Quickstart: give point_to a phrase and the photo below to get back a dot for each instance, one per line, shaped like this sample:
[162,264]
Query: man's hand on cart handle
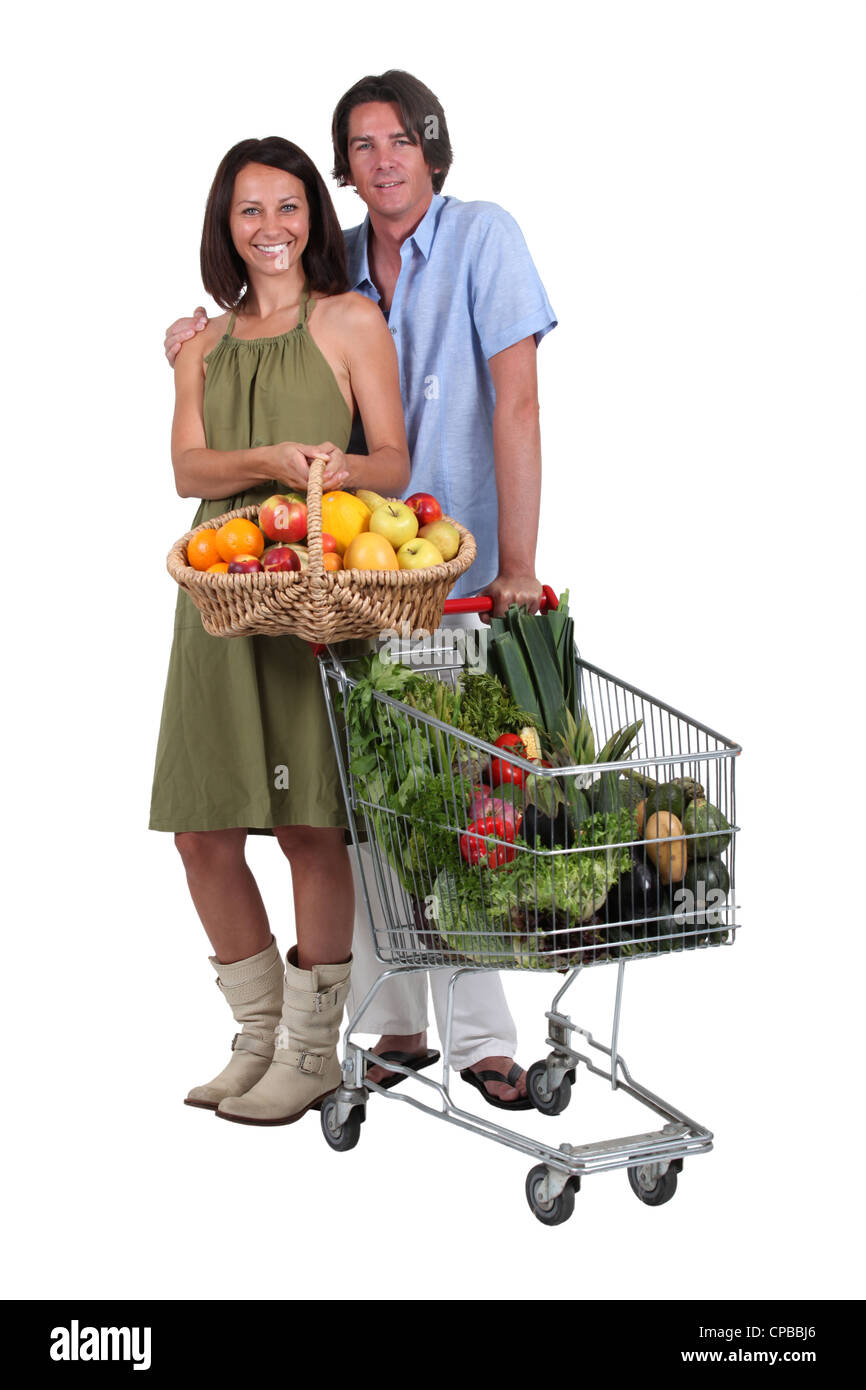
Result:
[483,603]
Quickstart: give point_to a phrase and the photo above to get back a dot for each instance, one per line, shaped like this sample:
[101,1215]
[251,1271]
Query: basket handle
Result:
[482,603]
[314,516]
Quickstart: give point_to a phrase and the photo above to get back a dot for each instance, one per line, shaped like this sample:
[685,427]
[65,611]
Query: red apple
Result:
[244,564]
[328,543]
[425,507]
[283,519]
[280,558]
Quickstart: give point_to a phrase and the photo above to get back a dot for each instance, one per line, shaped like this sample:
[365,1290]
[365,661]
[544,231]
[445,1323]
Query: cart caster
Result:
[549,1101]
[651,1189]
[345,1136]
[555,1210]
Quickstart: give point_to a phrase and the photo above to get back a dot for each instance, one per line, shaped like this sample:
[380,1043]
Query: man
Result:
[467,309]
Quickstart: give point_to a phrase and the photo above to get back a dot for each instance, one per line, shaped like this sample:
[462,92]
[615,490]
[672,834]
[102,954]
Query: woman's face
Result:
[269,219]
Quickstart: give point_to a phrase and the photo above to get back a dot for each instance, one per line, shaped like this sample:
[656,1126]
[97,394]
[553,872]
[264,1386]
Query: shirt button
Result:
[394,331]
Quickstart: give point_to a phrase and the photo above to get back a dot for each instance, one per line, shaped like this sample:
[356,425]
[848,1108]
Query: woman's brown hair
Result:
[223,273]
[421,113]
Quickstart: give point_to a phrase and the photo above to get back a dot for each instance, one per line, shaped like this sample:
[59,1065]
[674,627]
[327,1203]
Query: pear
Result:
[370,499]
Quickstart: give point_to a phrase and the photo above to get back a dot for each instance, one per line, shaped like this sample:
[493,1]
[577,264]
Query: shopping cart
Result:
[534,905]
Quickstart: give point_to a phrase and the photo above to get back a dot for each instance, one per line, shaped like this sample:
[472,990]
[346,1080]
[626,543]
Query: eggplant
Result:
[543,832]
[635,894]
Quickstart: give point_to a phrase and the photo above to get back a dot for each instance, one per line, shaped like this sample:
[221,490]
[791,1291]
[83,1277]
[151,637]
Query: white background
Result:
[689,179]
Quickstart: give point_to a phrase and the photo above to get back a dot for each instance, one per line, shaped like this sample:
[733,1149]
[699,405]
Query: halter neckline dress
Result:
[244,739]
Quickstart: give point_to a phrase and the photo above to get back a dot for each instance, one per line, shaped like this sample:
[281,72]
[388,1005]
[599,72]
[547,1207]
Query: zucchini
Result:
[702,819]
[705,876]
[673,796]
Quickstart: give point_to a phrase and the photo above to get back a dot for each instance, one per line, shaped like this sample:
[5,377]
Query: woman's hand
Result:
[290,463]
[337,471]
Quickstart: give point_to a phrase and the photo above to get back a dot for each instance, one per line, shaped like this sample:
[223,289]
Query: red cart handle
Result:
[473,603]
[482,603]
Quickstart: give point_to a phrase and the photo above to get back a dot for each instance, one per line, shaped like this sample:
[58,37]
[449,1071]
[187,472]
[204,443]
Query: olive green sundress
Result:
[244,738]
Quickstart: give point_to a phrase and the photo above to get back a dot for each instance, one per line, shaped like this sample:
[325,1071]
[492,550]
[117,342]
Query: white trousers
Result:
[482,1023]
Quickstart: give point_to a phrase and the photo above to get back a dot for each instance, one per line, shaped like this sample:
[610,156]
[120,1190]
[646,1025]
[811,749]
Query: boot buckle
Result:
[234,1040]
[312,1070]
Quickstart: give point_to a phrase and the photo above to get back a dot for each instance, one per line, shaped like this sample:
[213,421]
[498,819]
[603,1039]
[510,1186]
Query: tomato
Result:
[512,741]
[477,841]
[505,774]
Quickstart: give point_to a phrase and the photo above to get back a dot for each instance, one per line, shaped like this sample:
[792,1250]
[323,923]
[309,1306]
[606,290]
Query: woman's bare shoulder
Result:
[196,349]
[351,308]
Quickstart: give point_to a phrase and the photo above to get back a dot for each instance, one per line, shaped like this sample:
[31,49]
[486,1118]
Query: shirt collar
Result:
[359,264]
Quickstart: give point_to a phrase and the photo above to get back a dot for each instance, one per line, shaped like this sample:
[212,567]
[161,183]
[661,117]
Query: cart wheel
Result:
[654,1193]
[345,1136]
[551,1213]
[547,1101]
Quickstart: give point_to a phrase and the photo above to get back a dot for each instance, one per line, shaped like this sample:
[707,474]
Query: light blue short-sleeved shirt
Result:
[467,289]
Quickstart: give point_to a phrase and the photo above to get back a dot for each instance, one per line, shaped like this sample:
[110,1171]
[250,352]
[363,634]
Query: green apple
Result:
[444,536]
[418,555]
[396,522]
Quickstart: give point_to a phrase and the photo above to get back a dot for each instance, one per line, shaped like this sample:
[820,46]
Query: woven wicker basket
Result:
[317,604]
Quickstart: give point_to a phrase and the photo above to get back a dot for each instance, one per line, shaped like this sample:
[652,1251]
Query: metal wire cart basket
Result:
[626,855]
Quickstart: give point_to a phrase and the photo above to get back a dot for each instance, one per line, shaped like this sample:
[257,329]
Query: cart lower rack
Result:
[622,878]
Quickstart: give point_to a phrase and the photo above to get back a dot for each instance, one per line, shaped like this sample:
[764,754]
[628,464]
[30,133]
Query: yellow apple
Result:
[396,522]
[418,555]
[444,536]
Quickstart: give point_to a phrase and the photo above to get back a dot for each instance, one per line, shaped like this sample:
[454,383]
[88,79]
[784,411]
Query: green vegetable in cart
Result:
[708,822]
[487,710]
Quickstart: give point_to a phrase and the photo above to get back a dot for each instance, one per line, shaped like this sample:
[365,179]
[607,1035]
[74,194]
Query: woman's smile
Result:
[270,218]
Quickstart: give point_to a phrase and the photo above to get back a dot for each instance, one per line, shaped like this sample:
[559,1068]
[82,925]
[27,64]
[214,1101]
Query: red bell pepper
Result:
[477,841]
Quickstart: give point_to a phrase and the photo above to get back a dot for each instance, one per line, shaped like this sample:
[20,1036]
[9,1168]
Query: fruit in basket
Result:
[418,555]
[328,543]
[239,537]
[280,559]
[219,568]
[707,821]
[245,564]
[425,507]
[332,561]
[370,499]
[303,555]
[444,536]
[369,551]
[666,847]
[283,519]
[201,551]
[396,522]
[344,517]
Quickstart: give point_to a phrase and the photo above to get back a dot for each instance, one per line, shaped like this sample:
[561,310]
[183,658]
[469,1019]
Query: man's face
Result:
[388,171]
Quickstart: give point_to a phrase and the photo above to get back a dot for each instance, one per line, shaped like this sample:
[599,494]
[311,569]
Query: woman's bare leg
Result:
[225,894]
[323,892]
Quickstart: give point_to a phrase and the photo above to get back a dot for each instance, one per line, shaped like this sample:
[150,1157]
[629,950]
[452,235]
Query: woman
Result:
[244,742]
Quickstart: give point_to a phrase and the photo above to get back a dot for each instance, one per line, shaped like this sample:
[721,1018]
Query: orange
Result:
[202,550]
[344,516]
[221,567]
[239,537]
[370,551]
[331,560]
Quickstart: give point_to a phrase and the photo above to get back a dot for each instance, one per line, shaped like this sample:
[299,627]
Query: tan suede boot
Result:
[305,1068]
[254,990]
